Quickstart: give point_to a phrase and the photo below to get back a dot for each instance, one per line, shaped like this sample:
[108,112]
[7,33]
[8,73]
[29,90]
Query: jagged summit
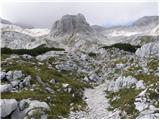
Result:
[71,24]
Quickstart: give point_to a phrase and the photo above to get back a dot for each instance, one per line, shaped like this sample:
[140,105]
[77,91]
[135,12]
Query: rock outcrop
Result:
[125,82]
[150,49]
[69,24]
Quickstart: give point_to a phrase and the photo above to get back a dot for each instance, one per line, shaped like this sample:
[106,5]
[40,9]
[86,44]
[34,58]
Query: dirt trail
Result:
[97,104]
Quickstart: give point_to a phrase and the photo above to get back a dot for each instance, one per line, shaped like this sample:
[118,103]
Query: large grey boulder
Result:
[7,107]
[26,106]
[148,50]
[13,75]
[5,88]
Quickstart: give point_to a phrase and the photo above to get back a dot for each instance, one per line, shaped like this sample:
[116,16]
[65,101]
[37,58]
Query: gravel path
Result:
[97,104]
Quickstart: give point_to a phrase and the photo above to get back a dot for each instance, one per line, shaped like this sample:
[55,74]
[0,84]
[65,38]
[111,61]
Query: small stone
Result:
[65,85]
[23,104]
[53,81]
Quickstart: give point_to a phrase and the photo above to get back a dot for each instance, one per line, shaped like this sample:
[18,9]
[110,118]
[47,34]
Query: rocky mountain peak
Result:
[71,24]
[146,20]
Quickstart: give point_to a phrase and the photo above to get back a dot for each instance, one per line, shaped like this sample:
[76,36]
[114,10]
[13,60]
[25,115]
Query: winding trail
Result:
[97,104]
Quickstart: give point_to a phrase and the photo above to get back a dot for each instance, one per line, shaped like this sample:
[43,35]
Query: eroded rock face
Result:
[7,107]
[148,50]
[70,24]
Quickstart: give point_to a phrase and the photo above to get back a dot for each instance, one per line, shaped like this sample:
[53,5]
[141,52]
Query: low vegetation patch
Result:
[123,46]
[124,100]
[61,101]
[33,52]
[91,54]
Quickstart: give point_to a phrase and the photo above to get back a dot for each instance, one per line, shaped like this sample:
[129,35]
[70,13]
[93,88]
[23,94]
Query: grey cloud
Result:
[44,14]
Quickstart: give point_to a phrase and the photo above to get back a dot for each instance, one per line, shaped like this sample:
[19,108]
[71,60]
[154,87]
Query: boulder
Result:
[7,107]
[26,81]
[15,83]
[148,50]
[23,104]
[121,82]
[93,77]
[9,75]
[14,75]
[26,106]
[5,88]
[140,85]
[141,101]
[25,56]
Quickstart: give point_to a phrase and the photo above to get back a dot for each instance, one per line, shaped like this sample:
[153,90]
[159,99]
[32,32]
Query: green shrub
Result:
[34,52]
[92,54]
[123,46]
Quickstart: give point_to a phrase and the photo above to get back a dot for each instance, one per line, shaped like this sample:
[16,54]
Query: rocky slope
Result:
[79,76]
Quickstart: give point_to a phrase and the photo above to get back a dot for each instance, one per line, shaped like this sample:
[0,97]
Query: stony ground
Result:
[97,104]
[107,83]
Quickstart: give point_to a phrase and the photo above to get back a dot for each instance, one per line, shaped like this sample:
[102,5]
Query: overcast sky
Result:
[44,14]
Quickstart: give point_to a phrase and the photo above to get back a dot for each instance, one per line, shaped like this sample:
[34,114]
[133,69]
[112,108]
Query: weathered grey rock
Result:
[121,82]
[148,114]
[53,81]
[125,82]
[13,56]
[140,85]
[49,54]
[2,75]
[32,104]
[49,90]
[9,75]
[25,56]
[141,101]
[148,50]
[120,66]
[26,81]
[17,74]
[5,88]
[23,104]
[37,111]
[65,85]
[14,75]
[7,107]
[93,77]
[15,83]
